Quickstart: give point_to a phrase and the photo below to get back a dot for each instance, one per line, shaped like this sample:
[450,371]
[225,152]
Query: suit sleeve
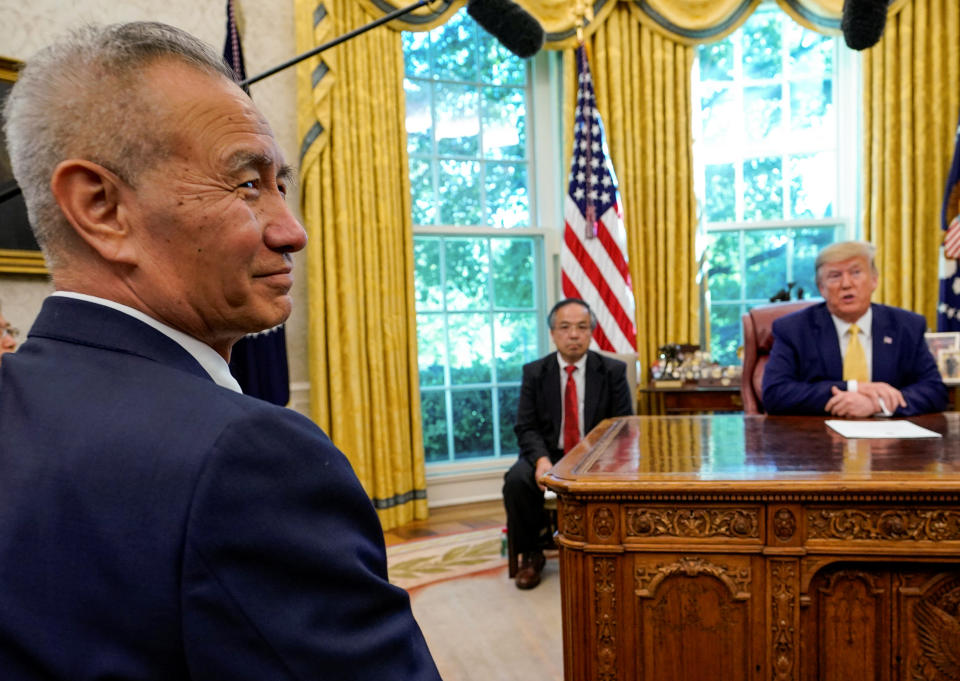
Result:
[530,417]
[922,387]
[284,568]
[785,388]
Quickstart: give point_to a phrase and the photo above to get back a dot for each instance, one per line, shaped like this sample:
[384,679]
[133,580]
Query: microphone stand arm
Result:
[336,41]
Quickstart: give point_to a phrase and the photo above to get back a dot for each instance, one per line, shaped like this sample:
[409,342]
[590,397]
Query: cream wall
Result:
[268,39]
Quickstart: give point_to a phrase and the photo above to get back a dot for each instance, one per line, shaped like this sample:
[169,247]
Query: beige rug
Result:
[478,625]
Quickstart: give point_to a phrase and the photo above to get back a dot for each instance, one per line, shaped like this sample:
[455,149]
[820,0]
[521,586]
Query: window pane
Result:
[470,348]
[725,275]
[421,189]
[810,52]
[458,120]
[467,267]
[811,104]
[516,341]
[807,243]
[472,423]
[763,189]
[508,418]
[454,48]
[761,45]
[813,184]
[513,272]
[428,281]
[431,347]
[497,64]
[725,327]
[716,60]
[763,114]
[433,407]
[419,120]
[416,54]
[504,123]
[506,189]
[719,110]
[459,193]
[766,254]
[721,193]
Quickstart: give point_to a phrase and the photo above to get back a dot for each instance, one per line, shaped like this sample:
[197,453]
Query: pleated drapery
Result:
[910,104]
[355,192]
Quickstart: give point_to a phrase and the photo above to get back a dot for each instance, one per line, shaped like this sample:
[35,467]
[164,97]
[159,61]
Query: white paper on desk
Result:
[881,428]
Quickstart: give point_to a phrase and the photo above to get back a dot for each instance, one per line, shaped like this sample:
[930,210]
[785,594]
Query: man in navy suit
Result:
[847,357]
[544,433]
[156,523]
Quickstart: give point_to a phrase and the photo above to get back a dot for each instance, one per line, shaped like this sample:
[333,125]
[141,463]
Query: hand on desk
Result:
[870,398]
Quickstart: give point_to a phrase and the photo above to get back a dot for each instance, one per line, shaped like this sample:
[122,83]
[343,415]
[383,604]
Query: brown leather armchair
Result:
[757,341]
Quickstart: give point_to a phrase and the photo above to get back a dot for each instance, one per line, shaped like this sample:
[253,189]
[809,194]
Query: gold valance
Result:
[688,22]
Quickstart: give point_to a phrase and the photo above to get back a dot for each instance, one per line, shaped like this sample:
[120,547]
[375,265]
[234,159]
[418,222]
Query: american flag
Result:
[948,311]
[257,361]
[593,262]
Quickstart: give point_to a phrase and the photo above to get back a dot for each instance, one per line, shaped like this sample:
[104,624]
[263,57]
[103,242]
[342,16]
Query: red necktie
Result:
[571,425]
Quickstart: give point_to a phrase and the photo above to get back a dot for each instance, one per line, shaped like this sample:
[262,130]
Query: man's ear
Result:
[90,196]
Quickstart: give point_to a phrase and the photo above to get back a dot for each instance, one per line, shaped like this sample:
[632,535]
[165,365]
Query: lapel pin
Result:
[888,340]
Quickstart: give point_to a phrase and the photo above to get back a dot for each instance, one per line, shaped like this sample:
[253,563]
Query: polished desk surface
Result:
[719,452]
[760,548]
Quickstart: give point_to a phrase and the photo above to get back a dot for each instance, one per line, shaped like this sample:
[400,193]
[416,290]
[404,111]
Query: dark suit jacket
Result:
[539,410]
[157,526]
[805,361]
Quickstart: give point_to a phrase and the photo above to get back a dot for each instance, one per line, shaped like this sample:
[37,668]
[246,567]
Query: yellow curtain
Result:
[910,103]
[355,194]
[642,84]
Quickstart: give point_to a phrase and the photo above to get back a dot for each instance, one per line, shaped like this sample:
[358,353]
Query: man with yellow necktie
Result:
[849,357]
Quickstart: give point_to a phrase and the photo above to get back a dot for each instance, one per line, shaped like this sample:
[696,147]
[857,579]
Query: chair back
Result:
[632,360]
[757,341]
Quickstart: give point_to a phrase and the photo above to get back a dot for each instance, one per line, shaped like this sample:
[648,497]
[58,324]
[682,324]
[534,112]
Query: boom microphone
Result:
[863,22]
[510,24]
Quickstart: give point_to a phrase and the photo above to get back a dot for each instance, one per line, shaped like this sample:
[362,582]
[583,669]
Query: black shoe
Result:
[531,565]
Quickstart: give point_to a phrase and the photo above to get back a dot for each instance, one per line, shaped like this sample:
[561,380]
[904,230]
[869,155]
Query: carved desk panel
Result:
[755,547]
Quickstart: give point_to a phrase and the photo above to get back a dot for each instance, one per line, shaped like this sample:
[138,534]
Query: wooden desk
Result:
[693,399]
[734,547]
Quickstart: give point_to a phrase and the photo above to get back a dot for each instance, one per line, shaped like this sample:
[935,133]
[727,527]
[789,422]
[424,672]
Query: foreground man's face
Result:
[217,234]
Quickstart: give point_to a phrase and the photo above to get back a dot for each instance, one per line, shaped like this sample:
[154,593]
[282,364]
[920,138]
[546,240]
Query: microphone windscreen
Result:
[509,23]
[863,22]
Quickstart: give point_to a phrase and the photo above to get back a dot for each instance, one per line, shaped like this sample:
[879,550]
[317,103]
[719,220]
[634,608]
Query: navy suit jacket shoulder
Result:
[805,361]
[158,526]
[539,409]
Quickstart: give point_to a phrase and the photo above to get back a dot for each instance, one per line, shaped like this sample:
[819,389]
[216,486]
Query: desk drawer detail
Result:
[693,523]
[888,524]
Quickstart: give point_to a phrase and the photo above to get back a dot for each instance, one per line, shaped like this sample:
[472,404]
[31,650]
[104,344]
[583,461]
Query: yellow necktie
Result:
[855,361]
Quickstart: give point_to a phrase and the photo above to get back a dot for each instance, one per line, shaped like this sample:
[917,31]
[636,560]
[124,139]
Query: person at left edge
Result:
[156,523]
[601,392]
[8,337]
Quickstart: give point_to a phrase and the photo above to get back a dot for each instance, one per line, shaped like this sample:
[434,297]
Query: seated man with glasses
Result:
[8,337]
[562,397]
[847,357]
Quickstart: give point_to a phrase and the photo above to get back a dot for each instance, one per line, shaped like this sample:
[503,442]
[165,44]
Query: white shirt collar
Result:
[580,363]
[211,361]
[864,324]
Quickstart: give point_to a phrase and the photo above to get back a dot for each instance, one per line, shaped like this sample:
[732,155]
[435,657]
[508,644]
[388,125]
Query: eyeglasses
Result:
[10,331]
